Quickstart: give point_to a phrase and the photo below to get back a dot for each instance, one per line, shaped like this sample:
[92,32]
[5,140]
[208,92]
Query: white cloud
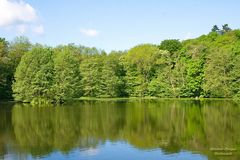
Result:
[19,16]
[38,29]
[89,32]
[12,12]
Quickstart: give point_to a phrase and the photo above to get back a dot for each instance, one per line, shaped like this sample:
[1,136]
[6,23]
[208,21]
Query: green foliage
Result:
[160,86]
[34,76]
[5,70]
[45,76]
[17,49]
[217,78]
[171,45]
[167,79]
[10,55]
[194,71]
[102,76]
[90,69]
[237,33]
[140,63]
[66,80]
[207,66]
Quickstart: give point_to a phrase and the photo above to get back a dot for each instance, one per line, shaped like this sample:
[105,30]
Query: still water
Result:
[122,130]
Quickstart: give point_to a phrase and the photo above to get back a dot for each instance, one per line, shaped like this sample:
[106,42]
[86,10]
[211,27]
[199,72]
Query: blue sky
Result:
[113,24]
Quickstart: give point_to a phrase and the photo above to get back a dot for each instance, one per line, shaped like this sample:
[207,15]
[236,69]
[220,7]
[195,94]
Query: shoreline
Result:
[128,99]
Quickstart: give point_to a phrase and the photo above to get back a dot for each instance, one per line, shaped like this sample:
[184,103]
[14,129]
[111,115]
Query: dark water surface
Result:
[122,130]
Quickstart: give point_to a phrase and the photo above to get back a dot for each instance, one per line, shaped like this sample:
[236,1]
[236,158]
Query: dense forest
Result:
[207,66]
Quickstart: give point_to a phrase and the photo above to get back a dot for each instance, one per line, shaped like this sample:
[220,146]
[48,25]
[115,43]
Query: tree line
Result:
[207,66]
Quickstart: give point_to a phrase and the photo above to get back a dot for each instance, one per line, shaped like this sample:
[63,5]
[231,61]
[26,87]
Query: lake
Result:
[122,130]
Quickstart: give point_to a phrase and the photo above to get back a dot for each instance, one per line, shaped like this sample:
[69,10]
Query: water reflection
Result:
[146,129]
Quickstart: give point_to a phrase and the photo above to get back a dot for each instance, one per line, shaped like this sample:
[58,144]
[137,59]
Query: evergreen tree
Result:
[226,28]
[215,28]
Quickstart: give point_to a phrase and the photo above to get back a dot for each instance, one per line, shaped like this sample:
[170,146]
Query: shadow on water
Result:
[209,127]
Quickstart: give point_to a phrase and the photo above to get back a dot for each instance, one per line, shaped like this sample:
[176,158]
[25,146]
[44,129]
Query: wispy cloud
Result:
[89,32]
[38,29]
[17,15]
[21,28]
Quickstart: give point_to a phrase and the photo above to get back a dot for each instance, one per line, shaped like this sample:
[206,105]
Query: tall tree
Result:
[215,28]
[90,69]
[11,54]
[17,48]
[34,76]
[5,70]
[194,71]
[113,76]
[66,80]
[217,74]
[226,28]
[140,63]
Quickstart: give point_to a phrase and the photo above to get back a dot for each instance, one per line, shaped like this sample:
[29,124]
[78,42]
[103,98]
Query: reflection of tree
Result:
[170,125]
[5,127]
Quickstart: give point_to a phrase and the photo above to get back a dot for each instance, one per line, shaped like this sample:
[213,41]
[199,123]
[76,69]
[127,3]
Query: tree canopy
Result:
[207,66]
